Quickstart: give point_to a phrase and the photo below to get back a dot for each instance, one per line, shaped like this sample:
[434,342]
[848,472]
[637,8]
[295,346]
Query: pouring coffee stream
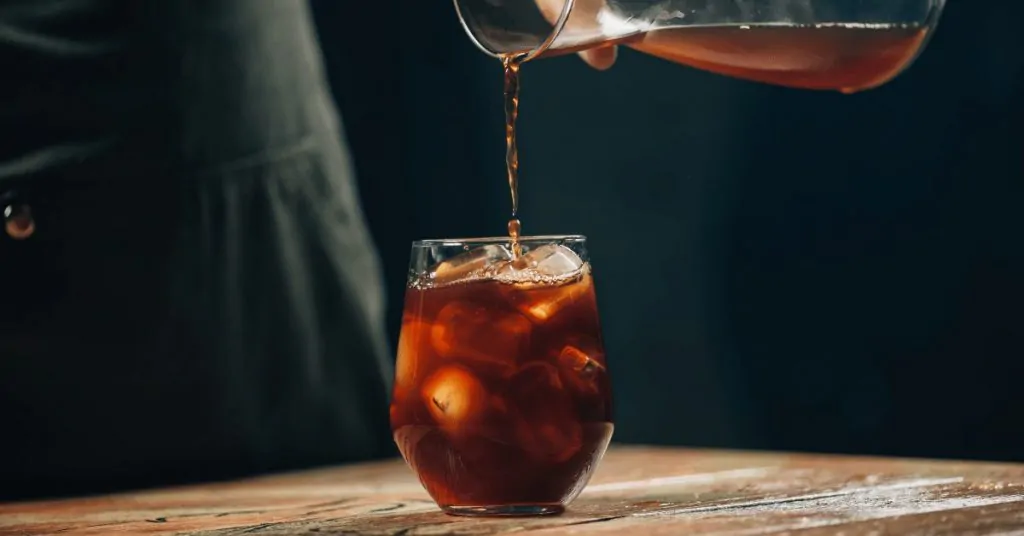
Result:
[511,65]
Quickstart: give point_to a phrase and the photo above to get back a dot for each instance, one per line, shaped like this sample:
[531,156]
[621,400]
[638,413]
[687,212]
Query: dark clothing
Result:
[201,298]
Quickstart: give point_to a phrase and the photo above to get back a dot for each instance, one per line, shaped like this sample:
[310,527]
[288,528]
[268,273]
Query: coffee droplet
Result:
[514,228]
[18,221]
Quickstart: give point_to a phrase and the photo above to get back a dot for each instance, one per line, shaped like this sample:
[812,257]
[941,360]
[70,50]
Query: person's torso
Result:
[200,297]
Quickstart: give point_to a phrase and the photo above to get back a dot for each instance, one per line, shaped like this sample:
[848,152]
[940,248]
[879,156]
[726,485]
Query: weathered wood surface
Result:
[636,490]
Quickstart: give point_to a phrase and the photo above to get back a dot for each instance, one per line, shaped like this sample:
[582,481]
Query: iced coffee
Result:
[502,402]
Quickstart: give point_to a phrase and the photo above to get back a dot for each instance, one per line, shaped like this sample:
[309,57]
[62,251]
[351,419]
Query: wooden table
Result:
[637,490]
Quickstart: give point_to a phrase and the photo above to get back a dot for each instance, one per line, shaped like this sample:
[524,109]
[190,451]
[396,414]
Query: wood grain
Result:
[637,490]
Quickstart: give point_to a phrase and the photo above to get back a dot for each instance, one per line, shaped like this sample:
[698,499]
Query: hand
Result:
[600,58]
[585,13]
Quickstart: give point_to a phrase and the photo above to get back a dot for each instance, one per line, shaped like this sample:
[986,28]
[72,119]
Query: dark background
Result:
[776,268]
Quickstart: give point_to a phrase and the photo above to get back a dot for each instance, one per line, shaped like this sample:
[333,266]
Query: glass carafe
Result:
[845,45]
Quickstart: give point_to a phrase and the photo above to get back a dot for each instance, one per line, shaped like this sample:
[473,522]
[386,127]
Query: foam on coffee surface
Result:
[543,266]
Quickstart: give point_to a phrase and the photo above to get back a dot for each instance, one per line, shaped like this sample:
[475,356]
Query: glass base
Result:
[513,510]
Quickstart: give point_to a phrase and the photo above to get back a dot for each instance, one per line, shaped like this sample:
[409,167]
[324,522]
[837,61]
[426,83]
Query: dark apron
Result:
[200,298]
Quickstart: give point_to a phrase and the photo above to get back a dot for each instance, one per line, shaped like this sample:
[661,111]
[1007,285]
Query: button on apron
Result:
[18,221]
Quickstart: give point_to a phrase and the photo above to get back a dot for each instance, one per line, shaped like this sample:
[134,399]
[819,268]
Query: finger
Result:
[600,58]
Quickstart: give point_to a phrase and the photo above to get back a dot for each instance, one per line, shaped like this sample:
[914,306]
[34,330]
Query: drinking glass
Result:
[502,402]
[846,45]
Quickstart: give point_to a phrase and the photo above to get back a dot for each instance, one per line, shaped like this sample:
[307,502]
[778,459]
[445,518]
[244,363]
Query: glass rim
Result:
[483,241]
[556,30]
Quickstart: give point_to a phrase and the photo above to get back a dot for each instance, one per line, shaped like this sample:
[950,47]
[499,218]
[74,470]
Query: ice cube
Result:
[409,364]
[546,425]
[485,339]
[544,264]
[540,302]
[554,277]
[473,264]
[581,369]
[455,398]
[543,304]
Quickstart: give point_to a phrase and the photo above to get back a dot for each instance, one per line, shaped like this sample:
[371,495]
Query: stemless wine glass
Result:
[846,45]
[502,403]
